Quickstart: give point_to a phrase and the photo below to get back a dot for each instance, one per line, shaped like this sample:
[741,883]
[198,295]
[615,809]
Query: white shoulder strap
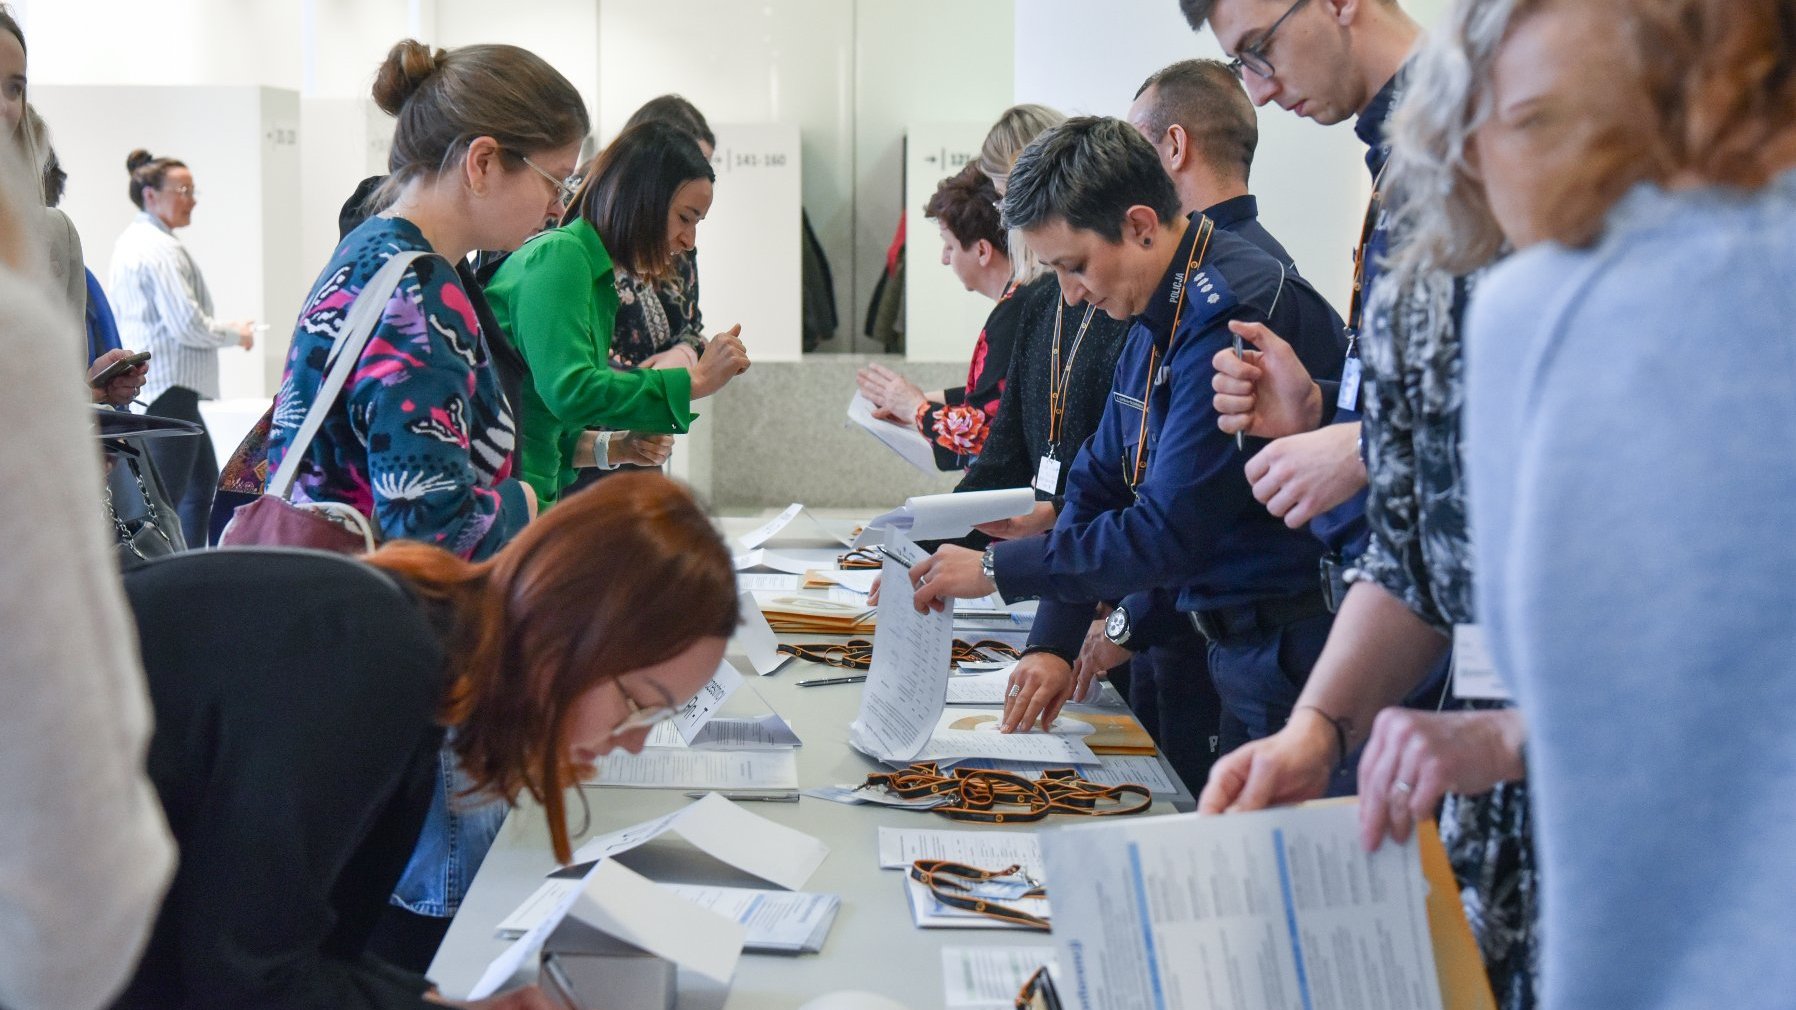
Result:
[364,315]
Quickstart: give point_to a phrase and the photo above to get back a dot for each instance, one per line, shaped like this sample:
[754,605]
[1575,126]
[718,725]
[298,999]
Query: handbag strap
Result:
[364,315]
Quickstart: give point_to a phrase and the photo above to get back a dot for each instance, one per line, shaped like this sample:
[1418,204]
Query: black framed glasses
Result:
[1253,55]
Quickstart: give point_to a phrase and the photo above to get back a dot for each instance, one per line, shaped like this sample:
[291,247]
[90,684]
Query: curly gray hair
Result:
[1440,214]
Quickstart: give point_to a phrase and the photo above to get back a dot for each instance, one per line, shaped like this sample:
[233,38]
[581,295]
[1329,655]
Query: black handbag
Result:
[147,525]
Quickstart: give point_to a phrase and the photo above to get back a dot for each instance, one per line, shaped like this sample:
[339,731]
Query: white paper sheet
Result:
[843,594]
[768,582]
[692,716]
[858,579]
[942,516]
[755,638]
[622,903]
[906,441]
[963,732]
[988,850]
[770,529]
[988,978]
[728,833]
[1279,908]
[671,768]
[769,731]
[512,959]
[539,906]
[776,920]
[908,680]
[984,689]
[760,557]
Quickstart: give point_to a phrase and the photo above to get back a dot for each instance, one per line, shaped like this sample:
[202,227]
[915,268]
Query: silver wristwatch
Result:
[988,566]
[1116,628]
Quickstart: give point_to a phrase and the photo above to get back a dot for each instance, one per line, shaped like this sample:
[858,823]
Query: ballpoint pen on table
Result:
[820,681]
[781,796]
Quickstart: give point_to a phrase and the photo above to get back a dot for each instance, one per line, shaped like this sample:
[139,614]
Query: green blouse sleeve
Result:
[560,316]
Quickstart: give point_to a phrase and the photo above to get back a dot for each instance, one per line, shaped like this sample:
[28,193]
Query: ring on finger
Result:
[1401,786]
[1015,689]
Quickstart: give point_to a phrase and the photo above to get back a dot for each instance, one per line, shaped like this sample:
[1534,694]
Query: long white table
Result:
[872,946]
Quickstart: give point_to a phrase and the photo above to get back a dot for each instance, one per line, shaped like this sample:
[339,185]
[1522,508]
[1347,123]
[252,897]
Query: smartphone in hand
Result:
[118,368]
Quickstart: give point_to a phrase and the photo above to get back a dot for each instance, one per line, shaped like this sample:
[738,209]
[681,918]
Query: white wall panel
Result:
[1311,180]
[942,318]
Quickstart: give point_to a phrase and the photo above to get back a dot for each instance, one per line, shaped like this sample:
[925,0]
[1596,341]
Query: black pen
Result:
[895,556]
[856,679]
[1240,436]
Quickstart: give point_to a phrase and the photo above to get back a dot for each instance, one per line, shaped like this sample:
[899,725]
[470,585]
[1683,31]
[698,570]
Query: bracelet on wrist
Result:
[1341,728]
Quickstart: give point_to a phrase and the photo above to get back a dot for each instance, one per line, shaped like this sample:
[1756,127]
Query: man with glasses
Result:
[1325,60]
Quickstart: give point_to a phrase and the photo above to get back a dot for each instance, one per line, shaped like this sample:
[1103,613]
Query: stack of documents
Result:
[815,615]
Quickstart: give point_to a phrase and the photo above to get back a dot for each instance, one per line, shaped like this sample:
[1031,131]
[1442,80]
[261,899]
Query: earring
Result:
[1147,243]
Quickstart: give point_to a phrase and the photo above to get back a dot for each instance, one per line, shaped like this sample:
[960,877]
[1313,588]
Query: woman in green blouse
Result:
[557,300]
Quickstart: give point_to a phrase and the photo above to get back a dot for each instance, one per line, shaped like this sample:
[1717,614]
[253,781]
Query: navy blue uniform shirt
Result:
[1192,524]
[1241,215]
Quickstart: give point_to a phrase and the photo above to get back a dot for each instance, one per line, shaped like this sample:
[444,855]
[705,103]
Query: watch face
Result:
[1117,625]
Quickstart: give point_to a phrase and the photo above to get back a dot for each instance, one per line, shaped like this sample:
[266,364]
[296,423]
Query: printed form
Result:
[1276,910]
[908,682]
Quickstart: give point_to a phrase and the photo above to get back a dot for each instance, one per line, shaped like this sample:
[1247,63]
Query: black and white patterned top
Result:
[1421,553]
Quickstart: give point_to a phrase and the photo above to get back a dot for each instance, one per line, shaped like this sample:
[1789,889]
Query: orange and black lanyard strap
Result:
[998,797]
[1038,993]
[953,885]
[1199,248]
[857,653]
[1356,305]
[1060,378]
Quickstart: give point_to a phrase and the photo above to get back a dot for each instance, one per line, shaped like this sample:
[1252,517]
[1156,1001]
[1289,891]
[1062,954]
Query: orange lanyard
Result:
[1062,377]
[1199,248]
[1356,305]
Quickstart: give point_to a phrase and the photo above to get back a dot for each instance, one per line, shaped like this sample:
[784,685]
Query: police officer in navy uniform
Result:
[1198,117]
[1158,497]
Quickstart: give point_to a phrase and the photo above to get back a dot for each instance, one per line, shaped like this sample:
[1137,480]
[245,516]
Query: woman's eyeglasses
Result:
[640,717]
[565,189]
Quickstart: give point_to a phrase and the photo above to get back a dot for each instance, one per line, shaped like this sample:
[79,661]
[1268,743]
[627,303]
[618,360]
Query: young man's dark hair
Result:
[1207,99]
[1088,172]
[966,202]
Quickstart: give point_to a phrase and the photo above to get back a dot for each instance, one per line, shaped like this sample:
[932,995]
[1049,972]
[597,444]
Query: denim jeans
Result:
[457,833]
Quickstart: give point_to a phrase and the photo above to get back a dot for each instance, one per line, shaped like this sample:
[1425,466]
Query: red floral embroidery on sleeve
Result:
[962,429]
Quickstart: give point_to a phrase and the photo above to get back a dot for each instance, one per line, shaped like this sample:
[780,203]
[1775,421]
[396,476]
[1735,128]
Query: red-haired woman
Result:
[298,721]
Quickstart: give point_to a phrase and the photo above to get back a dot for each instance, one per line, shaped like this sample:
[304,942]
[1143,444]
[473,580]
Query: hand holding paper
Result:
[954,573]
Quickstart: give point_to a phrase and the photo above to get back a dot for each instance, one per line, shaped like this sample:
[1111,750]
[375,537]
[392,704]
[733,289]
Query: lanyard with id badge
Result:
[1047,473]
[1155,372]
[1351,369]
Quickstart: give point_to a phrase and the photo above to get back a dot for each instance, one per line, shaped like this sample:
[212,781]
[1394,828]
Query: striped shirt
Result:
[162,306]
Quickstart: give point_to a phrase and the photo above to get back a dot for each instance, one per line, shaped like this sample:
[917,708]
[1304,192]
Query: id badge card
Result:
[1047,476]
[1475,676]
[1350,378]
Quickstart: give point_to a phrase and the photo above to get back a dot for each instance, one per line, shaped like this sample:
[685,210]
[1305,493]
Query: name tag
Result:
[1047,476]
[1350,377]
[1474,673]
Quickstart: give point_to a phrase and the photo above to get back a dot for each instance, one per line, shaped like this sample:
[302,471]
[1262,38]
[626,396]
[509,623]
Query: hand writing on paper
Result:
[640,449]
[1299,477]
[1290,766]
[952,573]
[1266,392]
[1414,758]
[894,397]
[1040,519]
[1040,685]
[1097,657]
[725,358]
